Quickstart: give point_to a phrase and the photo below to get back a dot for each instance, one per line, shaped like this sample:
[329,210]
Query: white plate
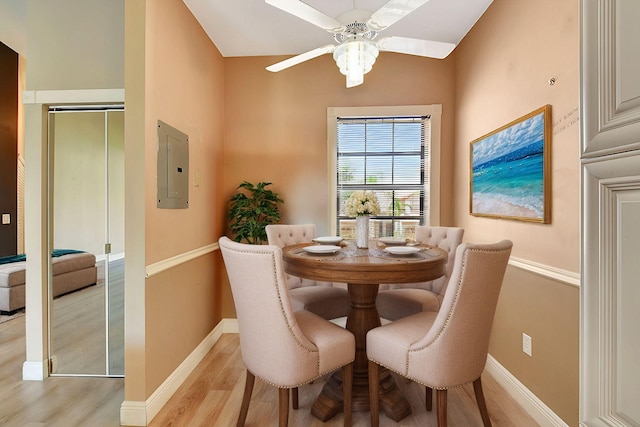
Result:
[321,249]
[328,240]
[393,240]
[402,250]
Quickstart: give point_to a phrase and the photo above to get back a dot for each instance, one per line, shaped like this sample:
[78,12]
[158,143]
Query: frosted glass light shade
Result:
[355,59]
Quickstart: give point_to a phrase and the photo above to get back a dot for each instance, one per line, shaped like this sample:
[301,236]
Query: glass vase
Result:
[362,231]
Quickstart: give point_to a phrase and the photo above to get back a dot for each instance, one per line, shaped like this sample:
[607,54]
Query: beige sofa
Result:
[70,272]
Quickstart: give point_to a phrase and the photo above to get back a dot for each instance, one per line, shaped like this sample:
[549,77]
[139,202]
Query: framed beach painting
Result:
[511,170]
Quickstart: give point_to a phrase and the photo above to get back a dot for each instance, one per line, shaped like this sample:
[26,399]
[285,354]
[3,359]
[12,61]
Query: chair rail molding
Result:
[160,266]
[558,274]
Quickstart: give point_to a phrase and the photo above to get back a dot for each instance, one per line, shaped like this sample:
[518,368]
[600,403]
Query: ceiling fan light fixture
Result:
[355,58]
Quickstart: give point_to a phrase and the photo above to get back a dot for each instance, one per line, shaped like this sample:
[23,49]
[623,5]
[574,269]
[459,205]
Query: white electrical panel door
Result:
[173,168]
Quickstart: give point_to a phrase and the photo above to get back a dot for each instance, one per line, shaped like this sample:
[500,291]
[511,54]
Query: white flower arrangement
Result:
[362,203]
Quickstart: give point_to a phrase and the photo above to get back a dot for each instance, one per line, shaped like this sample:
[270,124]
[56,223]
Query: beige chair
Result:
[397,301]
[282,347]
[448,348]
[322,298]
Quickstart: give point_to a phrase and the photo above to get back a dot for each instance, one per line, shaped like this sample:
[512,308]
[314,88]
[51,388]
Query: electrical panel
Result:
[173,167]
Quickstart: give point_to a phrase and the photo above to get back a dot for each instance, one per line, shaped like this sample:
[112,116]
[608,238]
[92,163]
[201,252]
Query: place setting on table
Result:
[383,246]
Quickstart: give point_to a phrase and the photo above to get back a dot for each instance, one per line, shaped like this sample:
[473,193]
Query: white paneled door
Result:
[610,290]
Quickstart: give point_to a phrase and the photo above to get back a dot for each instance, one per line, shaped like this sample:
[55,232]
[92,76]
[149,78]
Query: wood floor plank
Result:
[463,411]
[211,396]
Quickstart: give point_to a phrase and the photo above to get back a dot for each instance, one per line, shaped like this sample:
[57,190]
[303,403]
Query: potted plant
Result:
[251,211]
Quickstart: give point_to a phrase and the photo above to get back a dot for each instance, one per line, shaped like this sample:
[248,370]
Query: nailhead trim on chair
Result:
[446,322]
[463,265]
[418,381]
[289,327]
[301,384]
[428,345]
[454,299]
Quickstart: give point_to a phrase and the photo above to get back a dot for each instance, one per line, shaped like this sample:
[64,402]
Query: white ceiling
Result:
[254,28]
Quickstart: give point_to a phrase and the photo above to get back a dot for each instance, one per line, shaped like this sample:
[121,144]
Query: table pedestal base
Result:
[392,401]
[362,318]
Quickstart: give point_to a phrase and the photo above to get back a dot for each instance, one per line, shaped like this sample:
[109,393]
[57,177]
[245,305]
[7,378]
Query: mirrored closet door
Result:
[86,210]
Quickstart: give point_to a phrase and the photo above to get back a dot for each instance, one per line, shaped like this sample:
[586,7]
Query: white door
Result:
[610,289]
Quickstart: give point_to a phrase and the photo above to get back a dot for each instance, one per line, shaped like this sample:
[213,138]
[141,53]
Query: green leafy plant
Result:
[251,211]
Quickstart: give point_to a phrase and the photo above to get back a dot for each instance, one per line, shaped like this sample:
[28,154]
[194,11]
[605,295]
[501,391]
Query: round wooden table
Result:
[363,270]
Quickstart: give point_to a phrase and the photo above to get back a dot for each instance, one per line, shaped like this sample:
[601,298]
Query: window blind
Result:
[390,157]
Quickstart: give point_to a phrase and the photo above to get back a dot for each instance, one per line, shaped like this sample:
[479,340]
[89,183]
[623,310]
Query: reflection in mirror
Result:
[87,229]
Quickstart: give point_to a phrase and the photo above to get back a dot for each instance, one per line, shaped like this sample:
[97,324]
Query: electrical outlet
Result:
[526,344]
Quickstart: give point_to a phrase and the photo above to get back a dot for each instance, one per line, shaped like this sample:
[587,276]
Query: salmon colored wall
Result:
[276,123]
[503,70]
[547,311]
[184,88]
[502,73]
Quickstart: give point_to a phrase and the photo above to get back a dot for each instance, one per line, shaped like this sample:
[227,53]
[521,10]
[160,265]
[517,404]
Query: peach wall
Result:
[276,126]
[184,88]
[275,130]
[503,68]
[275,123]
[548,312]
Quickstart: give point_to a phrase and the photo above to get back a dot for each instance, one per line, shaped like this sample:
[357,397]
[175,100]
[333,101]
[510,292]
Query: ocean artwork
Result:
[509,171]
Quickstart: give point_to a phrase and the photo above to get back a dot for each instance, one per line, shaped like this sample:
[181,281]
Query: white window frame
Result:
[434,112]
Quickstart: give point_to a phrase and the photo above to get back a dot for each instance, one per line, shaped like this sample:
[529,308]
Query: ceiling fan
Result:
[355,33]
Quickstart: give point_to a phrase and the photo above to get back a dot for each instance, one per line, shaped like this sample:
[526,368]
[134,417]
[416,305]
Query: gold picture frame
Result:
[510,170]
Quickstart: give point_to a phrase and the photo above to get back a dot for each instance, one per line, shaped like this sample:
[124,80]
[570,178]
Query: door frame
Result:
[103,112]
[36,366]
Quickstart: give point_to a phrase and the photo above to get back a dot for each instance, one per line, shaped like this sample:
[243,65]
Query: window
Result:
[390,151]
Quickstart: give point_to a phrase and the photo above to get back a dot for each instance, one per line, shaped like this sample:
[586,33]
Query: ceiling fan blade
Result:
[428,48]
[295,60]
[308,13]
[392,12]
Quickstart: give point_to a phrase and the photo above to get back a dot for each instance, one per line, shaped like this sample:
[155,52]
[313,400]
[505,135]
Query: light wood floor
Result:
[57,401]
[211,396]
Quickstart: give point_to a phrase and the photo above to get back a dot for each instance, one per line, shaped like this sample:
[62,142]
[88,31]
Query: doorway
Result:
[86,213]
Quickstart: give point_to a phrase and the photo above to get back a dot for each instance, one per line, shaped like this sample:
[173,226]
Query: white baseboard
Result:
[35,371]
[230,326]
[136,413]
[133,413]
[525,398]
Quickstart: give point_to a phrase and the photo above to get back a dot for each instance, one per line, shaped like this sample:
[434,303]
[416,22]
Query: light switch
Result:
[6,219]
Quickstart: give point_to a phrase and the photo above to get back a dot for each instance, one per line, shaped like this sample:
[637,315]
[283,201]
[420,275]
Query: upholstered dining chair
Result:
[448,348]
[282,347]
[397,301]
[327,300]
